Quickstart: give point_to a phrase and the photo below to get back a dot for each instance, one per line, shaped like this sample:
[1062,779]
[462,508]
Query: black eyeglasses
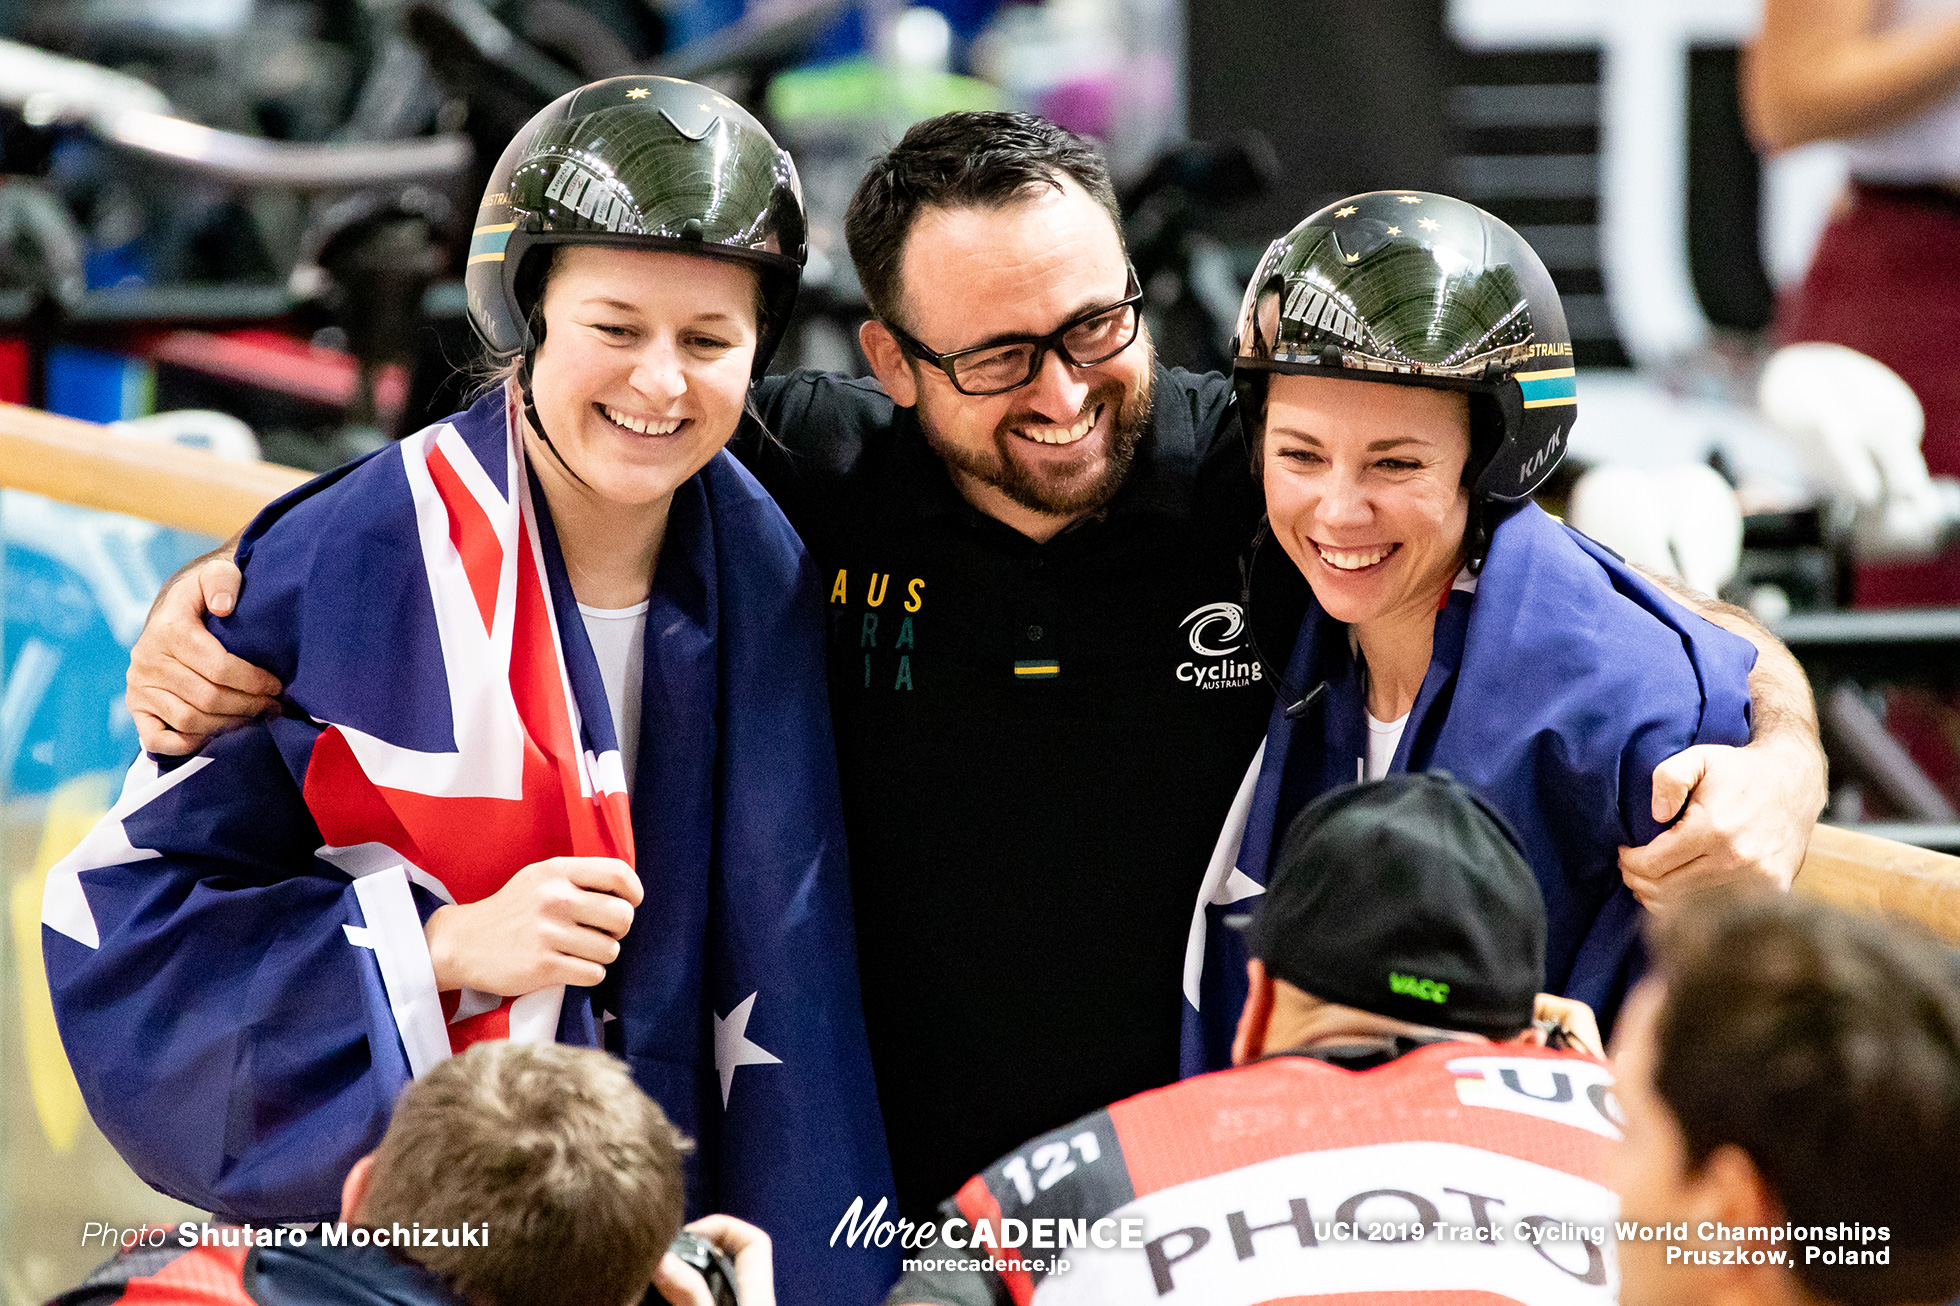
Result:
[1094,337]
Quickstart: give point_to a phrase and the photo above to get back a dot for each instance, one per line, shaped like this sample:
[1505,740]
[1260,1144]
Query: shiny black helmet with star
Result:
[1414,288]
[640,162]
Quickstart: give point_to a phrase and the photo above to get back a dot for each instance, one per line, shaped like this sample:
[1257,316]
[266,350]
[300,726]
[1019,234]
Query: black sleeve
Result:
[822,416]
[767,395]
[757,442]
[1224,450]
[807,440]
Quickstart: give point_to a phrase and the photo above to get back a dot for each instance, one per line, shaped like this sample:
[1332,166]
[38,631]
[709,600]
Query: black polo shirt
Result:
[1038,745]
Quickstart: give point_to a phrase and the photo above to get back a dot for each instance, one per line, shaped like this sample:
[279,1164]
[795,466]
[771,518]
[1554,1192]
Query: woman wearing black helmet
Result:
[1406,375]
[555,758]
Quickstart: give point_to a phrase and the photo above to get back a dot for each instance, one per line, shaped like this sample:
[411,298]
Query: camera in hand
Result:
[712,1264]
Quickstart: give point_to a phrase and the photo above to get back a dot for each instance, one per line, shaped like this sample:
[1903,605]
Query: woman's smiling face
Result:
[644,366]
[1364,489]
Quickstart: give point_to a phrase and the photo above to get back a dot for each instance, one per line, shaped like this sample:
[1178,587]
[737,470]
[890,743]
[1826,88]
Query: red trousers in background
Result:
[1886,282]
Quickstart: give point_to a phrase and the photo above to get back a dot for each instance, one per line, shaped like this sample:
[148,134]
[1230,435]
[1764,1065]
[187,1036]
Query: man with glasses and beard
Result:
[1030,537]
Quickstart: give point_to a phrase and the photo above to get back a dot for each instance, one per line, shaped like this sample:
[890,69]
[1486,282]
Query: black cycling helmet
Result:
[1414,288]
[643,162]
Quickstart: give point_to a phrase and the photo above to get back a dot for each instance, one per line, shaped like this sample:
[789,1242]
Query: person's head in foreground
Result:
[1405,370]
[1400,913]
[575,1171]
[1004,309]
[638,252]
[1787,1065]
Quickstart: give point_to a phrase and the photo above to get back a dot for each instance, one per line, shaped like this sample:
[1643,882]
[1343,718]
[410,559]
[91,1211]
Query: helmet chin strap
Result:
[1296,704]
[537,424]
[1480,531]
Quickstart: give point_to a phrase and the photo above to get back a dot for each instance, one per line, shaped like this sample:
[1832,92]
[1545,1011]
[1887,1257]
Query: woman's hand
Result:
[755,1275]
[555,922]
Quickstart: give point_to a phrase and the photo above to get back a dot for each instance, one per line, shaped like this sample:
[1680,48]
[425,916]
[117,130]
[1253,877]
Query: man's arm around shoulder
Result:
[1748,811]
[184,687]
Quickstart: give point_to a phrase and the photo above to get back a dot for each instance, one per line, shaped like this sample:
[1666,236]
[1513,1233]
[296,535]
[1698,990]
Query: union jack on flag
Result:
[236,951]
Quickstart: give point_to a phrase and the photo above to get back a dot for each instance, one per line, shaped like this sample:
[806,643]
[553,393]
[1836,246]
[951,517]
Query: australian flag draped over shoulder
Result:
[1558,682]
[236,951]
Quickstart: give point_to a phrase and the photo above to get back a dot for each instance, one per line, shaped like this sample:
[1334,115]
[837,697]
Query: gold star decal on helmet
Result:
[1347,212]
[637,93]
[1395,231]
[1354,258]
[1410,199]
[1428,224]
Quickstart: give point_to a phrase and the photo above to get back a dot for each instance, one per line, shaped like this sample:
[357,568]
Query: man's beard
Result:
[1058,494]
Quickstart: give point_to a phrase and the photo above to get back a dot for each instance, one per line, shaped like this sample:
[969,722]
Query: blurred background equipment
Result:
[1192,283]
[1859,429]
[1682,522]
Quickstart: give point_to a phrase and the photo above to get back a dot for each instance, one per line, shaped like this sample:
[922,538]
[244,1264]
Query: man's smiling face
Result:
[1057,448]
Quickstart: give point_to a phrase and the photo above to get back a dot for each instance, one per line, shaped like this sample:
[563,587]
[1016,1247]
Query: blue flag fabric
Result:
[235,951]
[1554,689]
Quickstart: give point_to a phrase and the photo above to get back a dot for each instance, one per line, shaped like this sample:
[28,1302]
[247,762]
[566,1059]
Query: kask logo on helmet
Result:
[1214,632]
[1539,461]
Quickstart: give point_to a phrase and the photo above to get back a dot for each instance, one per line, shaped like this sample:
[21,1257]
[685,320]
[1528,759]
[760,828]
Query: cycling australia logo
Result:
[1216,633]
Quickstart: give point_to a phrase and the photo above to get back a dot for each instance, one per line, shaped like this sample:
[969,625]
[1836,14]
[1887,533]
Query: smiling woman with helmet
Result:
[1406,379]
[554,757]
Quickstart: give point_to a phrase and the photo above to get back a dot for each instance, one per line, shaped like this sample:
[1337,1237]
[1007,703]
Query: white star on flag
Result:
[1224,883]
[1238,886]
[732,1047]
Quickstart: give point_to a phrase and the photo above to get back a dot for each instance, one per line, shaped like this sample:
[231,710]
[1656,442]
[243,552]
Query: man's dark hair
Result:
[960,160]
[1827,1048]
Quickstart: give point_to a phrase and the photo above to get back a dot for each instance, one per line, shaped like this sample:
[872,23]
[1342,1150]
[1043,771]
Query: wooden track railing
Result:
[82,463]
[1880,877]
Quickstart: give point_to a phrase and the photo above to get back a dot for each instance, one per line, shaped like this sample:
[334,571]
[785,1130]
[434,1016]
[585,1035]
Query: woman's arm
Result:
[1749,810]
[231,1034]
[1817,70]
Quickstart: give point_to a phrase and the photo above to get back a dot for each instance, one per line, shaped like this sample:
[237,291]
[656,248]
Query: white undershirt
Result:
[619,640]
[1383,736]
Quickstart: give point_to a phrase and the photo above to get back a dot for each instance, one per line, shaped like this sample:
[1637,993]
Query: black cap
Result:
[1406,897]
